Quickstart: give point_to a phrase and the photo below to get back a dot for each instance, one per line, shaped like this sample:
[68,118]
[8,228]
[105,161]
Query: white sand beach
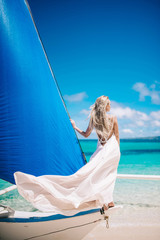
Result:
[146,232]
[130,223]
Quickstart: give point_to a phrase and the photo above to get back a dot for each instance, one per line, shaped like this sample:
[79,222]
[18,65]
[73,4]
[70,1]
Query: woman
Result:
[92,185]
[106,126]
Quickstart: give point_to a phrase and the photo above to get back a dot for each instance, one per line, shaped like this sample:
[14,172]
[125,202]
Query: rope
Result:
[61,230]
[59,91]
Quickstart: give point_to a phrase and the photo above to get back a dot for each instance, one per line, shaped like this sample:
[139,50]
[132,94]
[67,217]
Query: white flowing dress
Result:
[90,187]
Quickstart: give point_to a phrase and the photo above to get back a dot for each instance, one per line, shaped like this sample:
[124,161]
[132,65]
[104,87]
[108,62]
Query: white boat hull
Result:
[24,225]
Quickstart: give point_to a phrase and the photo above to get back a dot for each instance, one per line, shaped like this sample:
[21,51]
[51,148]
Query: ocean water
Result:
[140,197]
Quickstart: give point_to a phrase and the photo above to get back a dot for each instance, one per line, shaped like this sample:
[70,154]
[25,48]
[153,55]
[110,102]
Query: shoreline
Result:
[129,223]
[151,138]
[138,232]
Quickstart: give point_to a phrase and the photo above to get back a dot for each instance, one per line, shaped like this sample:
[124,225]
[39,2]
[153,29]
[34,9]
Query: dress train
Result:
[90,187]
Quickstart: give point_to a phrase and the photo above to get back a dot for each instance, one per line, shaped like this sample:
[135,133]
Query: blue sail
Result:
[36,135]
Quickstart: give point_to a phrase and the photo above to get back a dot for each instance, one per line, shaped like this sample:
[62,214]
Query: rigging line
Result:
[61,230]
[59,91]
[8,189]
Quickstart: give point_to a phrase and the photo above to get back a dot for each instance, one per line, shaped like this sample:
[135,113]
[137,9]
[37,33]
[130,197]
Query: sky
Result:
[101,47]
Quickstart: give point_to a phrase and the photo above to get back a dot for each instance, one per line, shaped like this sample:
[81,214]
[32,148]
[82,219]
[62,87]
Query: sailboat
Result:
[36,135]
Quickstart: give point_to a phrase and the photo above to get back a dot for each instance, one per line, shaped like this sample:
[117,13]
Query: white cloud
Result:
[155,115]
[156,123]
[78,97]
[155,96]
[141,115]
[115,104]
[132,116]
[128,113]
[132,123]
[127,130]
[121,112]
[85,112]
[144,91]
[140,123]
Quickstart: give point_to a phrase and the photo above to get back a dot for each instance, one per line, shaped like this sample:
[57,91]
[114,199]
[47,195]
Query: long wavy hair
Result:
[99,120]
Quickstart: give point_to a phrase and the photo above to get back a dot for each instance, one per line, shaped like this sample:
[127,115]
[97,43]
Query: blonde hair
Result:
[99,120]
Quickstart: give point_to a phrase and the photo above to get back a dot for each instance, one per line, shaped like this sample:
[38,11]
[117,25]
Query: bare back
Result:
[114,130]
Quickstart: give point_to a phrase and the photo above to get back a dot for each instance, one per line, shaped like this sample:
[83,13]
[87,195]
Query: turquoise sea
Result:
[138,156]
[140,198]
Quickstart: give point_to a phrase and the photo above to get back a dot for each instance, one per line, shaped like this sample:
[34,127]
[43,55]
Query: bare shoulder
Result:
[111,116]
[115,119]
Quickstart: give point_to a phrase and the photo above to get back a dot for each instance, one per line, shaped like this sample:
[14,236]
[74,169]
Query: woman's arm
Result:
[115,128]
[84,134]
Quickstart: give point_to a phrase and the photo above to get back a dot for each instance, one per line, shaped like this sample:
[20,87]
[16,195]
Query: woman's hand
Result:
[84,134]
[73,123]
